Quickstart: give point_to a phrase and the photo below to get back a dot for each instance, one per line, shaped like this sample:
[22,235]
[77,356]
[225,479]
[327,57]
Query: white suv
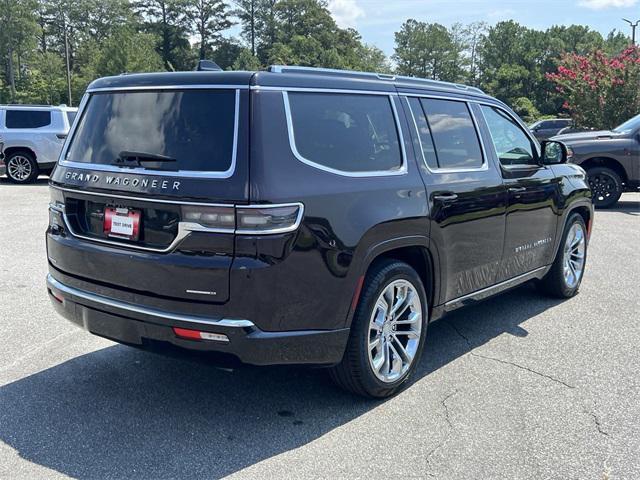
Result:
[33,137]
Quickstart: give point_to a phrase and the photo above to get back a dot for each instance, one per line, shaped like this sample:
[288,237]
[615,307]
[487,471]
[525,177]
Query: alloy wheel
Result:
[19,168]
[574,255]
[394,331]
[603,186]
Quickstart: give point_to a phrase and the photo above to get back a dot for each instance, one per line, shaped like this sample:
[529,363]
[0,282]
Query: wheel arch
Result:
[11,150]
[417,252]
[607,162]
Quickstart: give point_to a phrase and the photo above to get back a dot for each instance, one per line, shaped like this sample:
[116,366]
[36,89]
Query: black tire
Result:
[554,283]
[27,160]
[355,373]
[606,186]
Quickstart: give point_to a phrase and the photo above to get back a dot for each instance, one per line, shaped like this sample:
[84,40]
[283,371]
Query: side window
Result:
[346,132]
[424,134]
[27,118]
[454,134]
[512,145]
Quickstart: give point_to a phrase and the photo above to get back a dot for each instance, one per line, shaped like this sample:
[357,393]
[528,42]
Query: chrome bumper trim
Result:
[99,299]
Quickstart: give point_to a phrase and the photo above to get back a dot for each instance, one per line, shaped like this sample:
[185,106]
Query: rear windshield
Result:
[189,130]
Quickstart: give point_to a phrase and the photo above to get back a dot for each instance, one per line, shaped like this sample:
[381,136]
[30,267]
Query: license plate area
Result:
[122,223]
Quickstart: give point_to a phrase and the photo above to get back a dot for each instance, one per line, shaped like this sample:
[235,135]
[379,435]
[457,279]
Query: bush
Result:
[525,109]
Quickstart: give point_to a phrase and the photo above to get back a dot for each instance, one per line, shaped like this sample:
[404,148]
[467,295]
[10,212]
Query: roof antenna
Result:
[208,66]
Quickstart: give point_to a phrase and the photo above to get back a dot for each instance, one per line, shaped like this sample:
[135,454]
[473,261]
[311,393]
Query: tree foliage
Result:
[601,91]
[108,37]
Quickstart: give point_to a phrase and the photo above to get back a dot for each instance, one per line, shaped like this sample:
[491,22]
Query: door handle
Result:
[517,189]
[445,197]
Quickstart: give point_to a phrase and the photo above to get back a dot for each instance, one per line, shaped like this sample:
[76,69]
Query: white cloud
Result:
[602,4]
[345,12]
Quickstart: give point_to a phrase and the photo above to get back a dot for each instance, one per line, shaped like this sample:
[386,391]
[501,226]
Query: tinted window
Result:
[352,133]
[426,142]
[454,134]
[193,127]
[28,118]
[70,117]
[512,145]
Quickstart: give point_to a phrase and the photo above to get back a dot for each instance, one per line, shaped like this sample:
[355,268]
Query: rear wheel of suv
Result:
[606,186]
[21,167]
[387,332]
[565,276]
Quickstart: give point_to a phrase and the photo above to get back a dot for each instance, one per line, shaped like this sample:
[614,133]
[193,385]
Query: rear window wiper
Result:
[143,159]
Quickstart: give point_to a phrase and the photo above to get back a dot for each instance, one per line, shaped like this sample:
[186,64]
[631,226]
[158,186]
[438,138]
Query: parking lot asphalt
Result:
[518,387]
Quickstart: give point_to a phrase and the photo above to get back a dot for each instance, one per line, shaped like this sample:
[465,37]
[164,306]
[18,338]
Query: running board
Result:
[494,289]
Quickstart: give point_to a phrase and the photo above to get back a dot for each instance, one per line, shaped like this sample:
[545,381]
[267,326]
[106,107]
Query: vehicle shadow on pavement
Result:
[626,206]
[119,412]
[39,181]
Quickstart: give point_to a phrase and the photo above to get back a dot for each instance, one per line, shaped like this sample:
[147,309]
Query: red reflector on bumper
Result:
[198,335]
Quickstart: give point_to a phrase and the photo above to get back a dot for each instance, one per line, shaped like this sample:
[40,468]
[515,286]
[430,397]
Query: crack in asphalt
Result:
[450,428]
[506,362]
[597,422]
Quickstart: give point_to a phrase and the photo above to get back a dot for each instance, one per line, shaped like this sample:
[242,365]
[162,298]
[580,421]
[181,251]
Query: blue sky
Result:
[377,20]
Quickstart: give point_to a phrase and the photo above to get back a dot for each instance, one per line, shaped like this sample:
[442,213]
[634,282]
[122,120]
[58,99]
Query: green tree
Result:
[17,36]
[207,19]
[128,52]
[167,19]
[430,50]
[246,61]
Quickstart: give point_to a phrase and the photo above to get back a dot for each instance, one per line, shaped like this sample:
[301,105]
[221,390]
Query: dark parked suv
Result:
[611,159]
[303,216]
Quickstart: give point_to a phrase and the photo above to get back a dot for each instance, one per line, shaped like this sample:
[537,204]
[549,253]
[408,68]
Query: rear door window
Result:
[28,118]
[454,134]
[345,132]
[183,130]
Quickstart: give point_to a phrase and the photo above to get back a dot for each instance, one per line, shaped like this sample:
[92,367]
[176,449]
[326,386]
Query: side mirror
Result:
[554,152]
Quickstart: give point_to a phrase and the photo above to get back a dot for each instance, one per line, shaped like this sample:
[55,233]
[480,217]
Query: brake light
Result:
[268,219]
[248,220]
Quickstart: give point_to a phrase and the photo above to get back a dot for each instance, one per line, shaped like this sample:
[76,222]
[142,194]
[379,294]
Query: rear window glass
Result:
[349,133]
[189,130]
[28,118]
[454,134]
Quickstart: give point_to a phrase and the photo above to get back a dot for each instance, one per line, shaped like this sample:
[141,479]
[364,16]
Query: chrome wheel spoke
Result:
[574,255]
[394,330]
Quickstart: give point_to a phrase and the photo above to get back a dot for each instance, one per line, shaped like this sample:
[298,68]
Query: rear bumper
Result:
[145,327]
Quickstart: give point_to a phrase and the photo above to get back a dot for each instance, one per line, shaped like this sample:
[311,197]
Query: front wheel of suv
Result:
[21,167]
[606,186]
[387,333]
[564,278]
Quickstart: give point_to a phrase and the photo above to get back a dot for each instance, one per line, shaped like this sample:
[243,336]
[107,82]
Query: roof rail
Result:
[398,79]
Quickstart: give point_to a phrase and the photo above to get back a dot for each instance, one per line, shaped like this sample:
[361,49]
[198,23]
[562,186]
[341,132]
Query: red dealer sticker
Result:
[122,223]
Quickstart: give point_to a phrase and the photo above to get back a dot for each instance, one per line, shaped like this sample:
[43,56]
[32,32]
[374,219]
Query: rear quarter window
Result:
[354,133]
[27,118]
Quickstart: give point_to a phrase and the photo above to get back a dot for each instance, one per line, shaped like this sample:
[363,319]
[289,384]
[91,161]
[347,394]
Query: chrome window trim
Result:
[485,160]
[202,86]
[141,171]
[323,90]
[152,312]
[373,173]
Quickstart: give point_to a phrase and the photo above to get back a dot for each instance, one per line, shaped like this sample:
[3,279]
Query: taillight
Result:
[216,218]
[247,220]
[260,219]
